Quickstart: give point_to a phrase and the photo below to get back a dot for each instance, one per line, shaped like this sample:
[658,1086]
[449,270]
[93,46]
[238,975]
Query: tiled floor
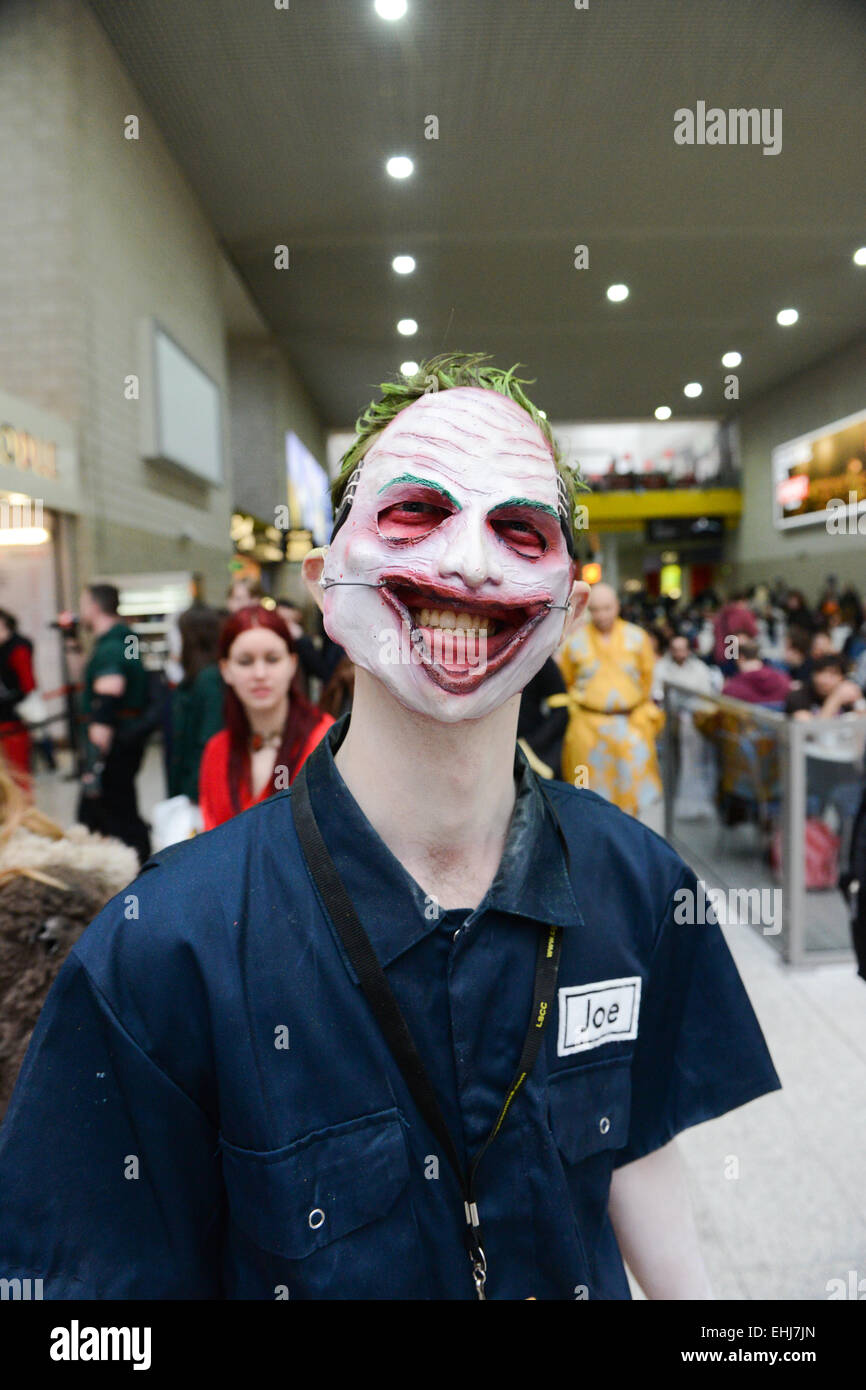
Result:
[733,858]
[795,1217]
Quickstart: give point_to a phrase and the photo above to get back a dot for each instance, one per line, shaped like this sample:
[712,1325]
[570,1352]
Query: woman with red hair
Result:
[270,727]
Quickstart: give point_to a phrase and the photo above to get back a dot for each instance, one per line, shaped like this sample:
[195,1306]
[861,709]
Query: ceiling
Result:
[556,128]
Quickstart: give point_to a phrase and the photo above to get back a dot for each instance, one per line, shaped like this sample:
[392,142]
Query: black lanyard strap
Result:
[393,1025]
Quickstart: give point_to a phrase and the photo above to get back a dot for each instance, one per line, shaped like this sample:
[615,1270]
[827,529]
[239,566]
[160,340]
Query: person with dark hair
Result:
[797,611]
[16,681]
[292,615]
[755,681]
[114,699]
[797,658]
[851,613]
[271,728]
[320,661]
[827,692]
[679,663]
[540,726]
[197,702]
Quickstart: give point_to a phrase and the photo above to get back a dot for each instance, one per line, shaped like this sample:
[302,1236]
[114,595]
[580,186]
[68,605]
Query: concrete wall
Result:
[42,321]
[266,401]
[99,231]
[802,555]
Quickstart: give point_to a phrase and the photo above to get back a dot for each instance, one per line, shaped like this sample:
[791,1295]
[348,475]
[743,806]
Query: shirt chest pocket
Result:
[335,1203]
[590,1108]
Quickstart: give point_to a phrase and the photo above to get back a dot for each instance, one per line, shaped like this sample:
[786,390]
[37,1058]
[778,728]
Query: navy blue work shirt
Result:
[208,1109]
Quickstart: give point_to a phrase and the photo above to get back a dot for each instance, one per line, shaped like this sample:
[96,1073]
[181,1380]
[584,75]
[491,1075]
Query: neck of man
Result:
[439,795]
[103,621]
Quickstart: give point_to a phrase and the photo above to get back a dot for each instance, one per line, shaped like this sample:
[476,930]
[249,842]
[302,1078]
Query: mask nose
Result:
[469,554]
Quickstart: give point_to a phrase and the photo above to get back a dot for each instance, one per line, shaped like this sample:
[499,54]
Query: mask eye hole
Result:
[410,519]
[521,536]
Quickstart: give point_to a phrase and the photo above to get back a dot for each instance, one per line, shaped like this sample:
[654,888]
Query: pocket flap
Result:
[590,1108]
[297,1199]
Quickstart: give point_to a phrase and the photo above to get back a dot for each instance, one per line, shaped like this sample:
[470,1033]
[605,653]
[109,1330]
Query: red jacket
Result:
[214,797]
[763,686]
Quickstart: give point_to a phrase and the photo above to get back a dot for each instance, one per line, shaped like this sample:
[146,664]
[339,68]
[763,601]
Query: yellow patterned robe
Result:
[613,725]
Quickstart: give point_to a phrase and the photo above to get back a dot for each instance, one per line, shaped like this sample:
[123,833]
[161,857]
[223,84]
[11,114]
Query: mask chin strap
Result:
[358,583]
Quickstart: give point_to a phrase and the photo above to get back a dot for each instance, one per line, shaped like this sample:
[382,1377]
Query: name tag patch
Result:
[590,1015]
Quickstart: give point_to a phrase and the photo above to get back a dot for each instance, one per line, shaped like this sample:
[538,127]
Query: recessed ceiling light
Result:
[694,388]
[408,368]
[860,256]
[786,317]
[400,166]
[404,265]
[732,359]
[390,9]
[663,412]
[616,293]
[407,327]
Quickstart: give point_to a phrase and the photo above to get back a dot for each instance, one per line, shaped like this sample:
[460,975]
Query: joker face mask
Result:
[449,578]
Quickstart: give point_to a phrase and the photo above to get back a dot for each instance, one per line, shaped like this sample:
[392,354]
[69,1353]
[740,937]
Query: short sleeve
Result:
[109,1171]
[107,660]
[699,1051]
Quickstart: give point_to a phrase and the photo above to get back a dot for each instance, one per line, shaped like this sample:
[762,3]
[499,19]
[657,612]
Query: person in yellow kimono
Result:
[608,668]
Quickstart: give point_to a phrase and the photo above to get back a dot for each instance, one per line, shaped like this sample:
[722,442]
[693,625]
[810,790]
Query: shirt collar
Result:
[532,880]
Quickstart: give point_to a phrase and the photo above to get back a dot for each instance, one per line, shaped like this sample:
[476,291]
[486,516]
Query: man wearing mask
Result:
[419,1027]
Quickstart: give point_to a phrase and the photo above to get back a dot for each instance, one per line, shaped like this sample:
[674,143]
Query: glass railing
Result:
[762,806]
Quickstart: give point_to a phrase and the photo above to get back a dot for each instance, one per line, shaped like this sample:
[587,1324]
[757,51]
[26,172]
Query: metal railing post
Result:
[668,776]
[794,843]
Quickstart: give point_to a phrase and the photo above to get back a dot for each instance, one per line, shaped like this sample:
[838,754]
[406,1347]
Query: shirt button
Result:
[316,1218]
[604,1124]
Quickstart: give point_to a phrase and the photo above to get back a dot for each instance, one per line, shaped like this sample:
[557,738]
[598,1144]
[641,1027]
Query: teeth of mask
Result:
[446,618]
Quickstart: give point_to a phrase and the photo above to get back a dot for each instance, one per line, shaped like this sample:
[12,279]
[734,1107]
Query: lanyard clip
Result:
[479,1272]
[477,1257]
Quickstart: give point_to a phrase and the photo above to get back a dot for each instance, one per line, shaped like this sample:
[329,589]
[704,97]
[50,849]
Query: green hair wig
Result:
[443,373]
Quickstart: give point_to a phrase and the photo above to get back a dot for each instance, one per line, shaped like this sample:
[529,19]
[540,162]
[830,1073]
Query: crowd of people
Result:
[249,693]
[237,718]
[594,715]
